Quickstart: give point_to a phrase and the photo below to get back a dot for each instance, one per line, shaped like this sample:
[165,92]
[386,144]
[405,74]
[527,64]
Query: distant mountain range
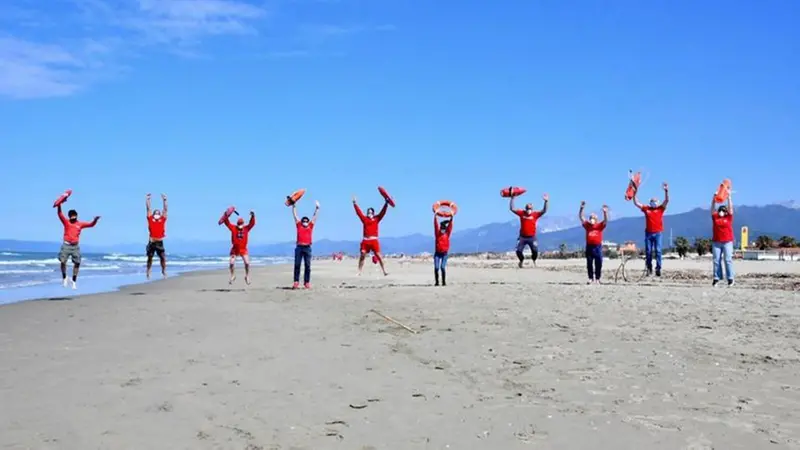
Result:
[772,220]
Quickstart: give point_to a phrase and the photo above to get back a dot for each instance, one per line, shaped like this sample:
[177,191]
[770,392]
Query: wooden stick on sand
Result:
[394,321]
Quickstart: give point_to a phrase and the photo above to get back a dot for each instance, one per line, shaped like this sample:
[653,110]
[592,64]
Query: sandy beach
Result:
[502,359]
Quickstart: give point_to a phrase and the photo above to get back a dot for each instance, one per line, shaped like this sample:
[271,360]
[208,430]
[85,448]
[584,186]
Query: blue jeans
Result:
[527,241]
[594,261]
[302,253]
[720,250]
[652,244]
[439,261]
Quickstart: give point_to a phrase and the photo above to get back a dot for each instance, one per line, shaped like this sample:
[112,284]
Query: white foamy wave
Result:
[111,267]
[21,284]
[9,254]
[125,258]
[30,262]
[23,271]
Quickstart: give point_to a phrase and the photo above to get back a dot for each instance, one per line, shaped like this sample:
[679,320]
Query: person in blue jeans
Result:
[594,243]
[653,229]
[722,240]
[302,252]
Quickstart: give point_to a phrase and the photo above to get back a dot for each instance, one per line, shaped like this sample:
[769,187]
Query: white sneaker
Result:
[64,282]
[74,285]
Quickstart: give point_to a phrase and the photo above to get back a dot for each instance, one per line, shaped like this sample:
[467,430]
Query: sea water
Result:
[33,275]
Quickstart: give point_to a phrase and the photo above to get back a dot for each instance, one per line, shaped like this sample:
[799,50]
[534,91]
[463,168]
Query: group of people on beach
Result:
[722,239]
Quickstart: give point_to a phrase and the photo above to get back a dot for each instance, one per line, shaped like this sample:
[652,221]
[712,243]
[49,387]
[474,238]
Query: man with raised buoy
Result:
[70,245]
[156,226]
[369,241]
[239,237]
[527,227]
[653,229]
[594,242]
[302,252]
[442,231]
[722,237]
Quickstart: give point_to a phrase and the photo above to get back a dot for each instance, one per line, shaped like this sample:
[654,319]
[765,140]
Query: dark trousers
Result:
[529,241]
[302,253]
[594,261]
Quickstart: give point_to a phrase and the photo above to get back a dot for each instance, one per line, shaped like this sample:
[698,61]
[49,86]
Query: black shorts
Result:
[155,247]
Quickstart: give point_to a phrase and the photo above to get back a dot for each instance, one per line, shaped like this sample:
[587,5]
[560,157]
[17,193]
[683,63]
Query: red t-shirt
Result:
[157,227]
[370,224]
[527,223]
[72,231]
[239,236]
[304,233]
[594,232]
[442,238]
[723,228]
[654,219]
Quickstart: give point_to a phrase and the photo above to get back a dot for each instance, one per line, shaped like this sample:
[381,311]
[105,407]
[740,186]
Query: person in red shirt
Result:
[239,236]
[156,226]
[441,233]
[370,242]
[302,252]
[594,242]
[527,228]
[654,227]
[70,246]
[722,239]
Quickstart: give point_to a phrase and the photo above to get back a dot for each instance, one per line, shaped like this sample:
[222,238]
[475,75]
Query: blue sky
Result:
[219,102]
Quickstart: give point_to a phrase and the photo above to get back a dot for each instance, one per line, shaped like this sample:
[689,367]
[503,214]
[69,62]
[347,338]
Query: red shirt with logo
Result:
[442,237]
[72,231]
[370,223]
[239,236]
[304,233]
[594,232]
[654,219]
[723,228]
[157,228]
[527,222]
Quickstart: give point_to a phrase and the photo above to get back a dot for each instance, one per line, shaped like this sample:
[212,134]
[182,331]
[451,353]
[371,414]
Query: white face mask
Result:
[592,220]
[723,214]
[157,216]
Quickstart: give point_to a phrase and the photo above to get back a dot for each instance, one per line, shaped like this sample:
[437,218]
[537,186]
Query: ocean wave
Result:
[22,284]
[111,267]
[23,271]
[30,262]
[9,254]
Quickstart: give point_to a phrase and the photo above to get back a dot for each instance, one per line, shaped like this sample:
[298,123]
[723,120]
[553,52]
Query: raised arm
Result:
[636,202]
[511,201]
[605,215]
[316,213]
[61,215]
[383,210]
[546,199]
[359,213]
[252,221]
[294,213]
[435,225]
[450,225]
[164,209]
[580,212]
[713,203]
[228,224]
[147,204]
[666,196]
[90,224]
[730,202]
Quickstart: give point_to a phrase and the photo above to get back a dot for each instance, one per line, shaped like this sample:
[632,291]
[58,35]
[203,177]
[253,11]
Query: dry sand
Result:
[504,359]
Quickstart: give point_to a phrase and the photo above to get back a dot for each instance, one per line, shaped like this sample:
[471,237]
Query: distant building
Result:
[775,254]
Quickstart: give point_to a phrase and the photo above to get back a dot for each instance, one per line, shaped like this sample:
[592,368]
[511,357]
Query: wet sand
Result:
[503,359]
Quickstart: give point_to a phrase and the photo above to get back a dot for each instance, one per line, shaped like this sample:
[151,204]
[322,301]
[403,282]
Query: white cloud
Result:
[59,51]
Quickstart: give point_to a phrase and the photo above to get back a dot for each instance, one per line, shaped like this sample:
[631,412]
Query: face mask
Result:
[528,211]
[157,216]
[73,219]
[592,220]
[653,204]
[305,224]
[722,213]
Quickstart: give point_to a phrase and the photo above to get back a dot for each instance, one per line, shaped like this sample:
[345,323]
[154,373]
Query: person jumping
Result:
[654,227]
[239,236]
[70,246]
[527,228]
[370,242]
[156,225]
[302,252]
[594,242]
[441,232]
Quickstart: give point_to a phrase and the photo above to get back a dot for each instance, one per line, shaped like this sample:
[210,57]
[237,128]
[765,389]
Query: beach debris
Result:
[357,406]
[407,328]
[373,400]
[336,422]
[419,396]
